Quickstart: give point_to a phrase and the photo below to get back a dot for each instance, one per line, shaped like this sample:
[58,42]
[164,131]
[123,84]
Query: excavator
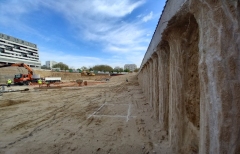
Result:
[88,73]
[22,78]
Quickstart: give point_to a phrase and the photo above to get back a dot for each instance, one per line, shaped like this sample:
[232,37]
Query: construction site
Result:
[184,98]
[100,117]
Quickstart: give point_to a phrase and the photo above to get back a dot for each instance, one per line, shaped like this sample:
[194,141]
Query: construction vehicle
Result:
[90,73]
[23,78]
[52,79]
[87,73]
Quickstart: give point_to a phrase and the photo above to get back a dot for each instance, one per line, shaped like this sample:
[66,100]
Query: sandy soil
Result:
[105,118]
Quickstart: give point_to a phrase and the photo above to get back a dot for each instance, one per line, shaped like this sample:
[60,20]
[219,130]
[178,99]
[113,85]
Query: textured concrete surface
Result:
[191,75]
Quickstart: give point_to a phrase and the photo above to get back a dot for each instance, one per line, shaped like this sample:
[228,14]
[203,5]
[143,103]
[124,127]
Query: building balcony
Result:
[2,43]
[18,56]
[32,56]
[19,50]
[36,54]
[2,46]
[12,52]
[31,50]
[11,43]
[17,60]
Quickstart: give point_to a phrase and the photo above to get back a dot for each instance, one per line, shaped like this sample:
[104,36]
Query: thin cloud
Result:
[139,16]
[112,48]
[102,22]
[98,21]
[148,17]
[101,8]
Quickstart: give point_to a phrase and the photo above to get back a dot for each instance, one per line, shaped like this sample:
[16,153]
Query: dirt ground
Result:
[113,117]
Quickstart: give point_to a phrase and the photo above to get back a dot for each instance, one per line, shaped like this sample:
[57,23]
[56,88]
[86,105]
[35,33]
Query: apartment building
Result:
[14,50]
[130,67]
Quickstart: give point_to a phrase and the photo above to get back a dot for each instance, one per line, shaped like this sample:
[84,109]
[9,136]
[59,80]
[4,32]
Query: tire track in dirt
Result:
[68,131]
[38,121]
[48,119]
[36,99]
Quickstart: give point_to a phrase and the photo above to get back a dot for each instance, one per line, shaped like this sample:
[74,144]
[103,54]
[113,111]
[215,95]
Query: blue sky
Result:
[84,32]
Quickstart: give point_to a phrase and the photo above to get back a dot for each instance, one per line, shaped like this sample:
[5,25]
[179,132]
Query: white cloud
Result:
[102,25]
[148,17]
[139,16]
[101,8]
[125,34]
[99,20]
[112,48]
[95,20]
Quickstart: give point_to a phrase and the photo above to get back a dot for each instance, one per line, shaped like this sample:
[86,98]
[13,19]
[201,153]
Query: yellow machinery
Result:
[87,73]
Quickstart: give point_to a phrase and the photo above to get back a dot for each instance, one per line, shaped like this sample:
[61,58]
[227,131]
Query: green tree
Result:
[126,70]
[61,65]
[118,70]
[90,69]
[84,68]
[79,70]
[136,70]
[105,68]
[45,67]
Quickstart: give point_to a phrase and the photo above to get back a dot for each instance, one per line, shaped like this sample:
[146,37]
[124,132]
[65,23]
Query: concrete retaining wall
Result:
[9,72]
[191,75]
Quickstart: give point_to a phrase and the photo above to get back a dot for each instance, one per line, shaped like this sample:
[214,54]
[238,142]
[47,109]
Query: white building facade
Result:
[14,50]
[49,64]
[130,67]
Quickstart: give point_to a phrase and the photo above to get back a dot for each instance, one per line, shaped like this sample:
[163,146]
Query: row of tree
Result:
[104,68]
[60,65]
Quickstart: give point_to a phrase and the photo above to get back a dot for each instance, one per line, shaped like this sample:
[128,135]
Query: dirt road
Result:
[106,118]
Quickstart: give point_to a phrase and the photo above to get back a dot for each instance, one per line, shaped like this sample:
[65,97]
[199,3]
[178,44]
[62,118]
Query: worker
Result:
[39,82]
[9,82]
[48,84]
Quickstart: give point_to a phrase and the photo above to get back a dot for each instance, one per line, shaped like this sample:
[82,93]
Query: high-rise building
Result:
[130,67]
[14,50]
[49,64]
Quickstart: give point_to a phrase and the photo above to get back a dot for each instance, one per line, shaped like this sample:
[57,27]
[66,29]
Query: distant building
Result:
[14,50]
[130,67]
[49,64]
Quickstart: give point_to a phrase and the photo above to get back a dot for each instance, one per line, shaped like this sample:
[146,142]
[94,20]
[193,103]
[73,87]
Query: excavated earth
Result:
[104,118]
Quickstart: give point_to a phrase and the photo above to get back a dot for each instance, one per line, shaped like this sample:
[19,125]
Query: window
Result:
[18,76]
[8,48]
[17,46]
